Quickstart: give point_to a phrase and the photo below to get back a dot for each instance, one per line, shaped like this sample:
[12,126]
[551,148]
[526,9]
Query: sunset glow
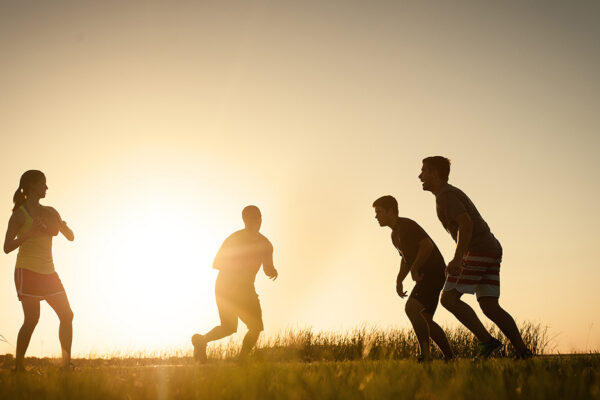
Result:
[156,124]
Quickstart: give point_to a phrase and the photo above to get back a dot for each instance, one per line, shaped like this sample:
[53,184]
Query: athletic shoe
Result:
[19,369]
[422,360]
[242,358]
[70,367]
[526,355]
[489,348]
[199,348]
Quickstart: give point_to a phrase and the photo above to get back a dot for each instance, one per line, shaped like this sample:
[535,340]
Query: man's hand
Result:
[454,267]
[400,290]
[272,274]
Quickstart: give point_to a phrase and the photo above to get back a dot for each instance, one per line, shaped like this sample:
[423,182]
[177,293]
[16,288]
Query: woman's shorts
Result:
[31,285]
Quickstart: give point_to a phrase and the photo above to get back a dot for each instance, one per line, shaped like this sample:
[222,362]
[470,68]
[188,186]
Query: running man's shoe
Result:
[70,367]
[526,355]
[199,348]
[422,360]
[489,348]
[20,369]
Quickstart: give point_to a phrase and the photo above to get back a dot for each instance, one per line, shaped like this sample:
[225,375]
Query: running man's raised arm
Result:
[463,239]
[268,266]
[465,231]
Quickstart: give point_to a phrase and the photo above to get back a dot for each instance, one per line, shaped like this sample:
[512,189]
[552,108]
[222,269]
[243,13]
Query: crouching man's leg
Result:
[438,335]
[414,311]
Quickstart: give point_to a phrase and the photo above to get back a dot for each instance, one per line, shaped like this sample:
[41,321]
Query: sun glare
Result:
[156,267]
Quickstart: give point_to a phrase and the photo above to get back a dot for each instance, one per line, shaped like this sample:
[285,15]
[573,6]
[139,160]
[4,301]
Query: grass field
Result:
[303,365]
[557,377]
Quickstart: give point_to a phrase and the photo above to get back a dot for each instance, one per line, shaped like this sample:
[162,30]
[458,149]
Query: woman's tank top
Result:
[35,254]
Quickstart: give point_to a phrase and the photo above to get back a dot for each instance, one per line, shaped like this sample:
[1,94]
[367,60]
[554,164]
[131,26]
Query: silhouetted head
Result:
[386,210]
[434,172]
[31,186]
[252,218]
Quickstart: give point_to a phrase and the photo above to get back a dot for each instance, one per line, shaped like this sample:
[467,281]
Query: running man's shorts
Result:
[31,285]
[479,274]
[244,305]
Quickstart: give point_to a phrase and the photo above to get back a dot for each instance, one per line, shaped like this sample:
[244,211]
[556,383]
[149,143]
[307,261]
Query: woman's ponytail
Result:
[18,198]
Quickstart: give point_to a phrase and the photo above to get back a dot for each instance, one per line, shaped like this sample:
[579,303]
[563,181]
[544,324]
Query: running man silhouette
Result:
[475,267]
[30,229]
[423,259]
[238,261]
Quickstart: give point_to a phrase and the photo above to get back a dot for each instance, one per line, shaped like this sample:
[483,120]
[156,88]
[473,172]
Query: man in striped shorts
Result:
[475,268]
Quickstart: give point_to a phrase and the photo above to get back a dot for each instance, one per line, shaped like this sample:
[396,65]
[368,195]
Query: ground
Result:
[545,377]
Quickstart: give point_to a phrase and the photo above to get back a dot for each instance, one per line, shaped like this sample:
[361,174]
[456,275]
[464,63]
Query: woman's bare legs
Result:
[31,311]
[61,306]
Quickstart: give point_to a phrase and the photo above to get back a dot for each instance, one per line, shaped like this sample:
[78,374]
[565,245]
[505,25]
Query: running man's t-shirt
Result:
[240,257]
[406,236]
[450,202]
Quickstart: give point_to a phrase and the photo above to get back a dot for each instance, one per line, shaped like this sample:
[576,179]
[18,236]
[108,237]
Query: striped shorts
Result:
[479,274]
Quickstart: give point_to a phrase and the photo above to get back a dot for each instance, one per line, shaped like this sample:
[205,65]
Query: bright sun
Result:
[155,263]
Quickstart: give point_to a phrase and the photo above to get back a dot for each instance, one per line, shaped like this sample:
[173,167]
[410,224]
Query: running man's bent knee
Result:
[229,329]
[450,298]
[256,326]
[254,332]
[489,305]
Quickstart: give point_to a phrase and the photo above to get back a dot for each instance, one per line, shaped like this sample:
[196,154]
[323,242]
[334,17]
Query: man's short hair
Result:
[388,203]
[440,164]
[250,213]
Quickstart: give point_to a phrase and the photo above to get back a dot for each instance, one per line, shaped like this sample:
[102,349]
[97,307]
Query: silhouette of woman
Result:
[30,229]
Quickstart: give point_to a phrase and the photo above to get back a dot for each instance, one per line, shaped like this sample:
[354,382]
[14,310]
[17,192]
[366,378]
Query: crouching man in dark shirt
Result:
[423,259]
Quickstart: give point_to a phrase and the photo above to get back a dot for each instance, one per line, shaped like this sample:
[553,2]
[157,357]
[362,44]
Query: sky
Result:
[157,122]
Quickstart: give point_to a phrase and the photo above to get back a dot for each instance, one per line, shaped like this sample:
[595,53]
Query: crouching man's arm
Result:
[423,253]
[404,269]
